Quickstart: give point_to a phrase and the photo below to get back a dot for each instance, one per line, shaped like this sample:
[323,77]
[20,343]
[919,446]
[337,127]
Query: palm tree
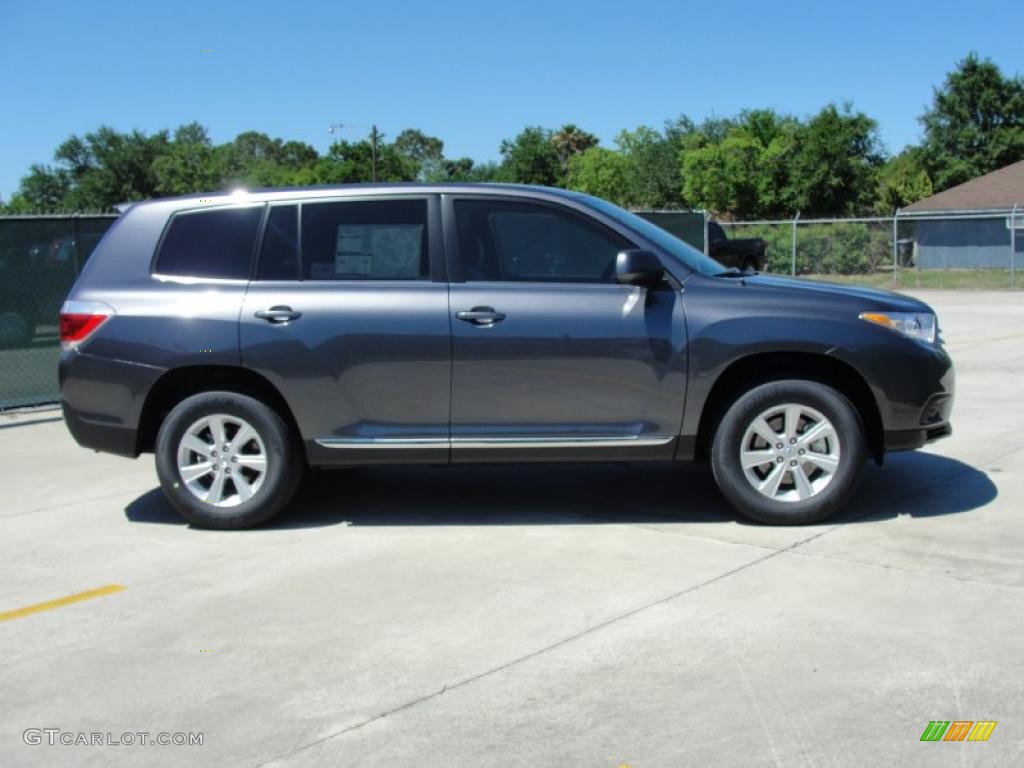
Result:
[569,140]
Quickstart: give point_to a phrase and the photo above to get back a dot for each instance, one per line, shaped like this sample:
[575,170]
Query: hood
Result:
[873,297]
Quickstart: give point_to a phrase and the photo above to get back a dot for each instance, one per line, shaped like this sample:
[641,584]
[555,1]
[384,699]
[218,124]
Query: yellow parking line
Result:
[61,601]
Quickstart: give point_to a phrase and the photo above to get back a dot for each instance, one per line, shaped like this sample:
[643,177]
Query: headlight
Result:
[916,325]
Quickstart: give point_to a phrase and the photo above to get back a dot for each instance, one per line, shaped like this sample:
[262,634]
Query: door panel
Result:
[544,367]
[364,364]
[588,362]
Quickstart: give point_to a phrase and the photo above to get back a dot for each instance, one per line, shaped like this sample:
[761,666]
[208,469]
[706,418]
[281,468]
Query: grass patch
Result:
[947,279]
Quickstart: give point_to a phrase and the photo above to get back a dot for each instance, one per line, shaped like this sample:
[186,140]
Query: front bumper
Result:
[925,417]
[910,439]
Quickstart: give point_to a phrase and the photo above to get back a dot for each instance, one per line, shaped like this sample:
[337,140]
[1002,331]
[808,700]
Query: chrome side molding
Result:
[383,442]
[569,441]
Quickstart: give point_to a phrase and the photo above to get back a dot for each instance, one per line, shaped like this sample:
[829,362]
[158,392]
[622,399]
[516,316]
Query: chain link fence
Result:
[948,250]
[980,249]
[40,256]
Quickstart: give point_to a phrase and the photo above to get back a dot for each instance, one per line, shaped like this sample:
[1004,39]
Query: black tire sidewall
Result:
[729,435]
[282,474]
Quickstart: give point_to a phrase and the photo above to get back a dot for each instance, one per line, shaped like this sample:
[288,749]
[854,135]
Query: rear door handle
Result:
[481,316]
[279,314]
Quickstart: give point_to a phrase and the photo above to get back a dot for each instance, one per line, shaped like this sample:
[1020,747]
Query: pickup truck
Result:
[750,252]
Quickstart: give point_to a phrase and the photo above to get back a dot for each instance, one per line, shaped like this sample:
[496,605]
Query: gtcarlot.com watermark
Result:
[57,737]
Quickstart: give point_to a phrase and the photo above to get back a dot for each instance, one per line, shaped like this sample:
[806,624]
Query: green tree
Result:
[530,158]
[741,166]
[350,162]
[44,189]
[461,169]
[488,171]
[426,151]
[902,181]
[975,124]
[254,159]
[189,164]
[601,172]
[654,178]
[835,169]
[95,172]
[763,164]
[570,140]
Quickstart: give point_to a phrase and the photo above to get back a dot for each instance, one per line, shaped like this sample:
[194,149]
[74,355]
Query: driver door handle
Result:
[278,314]
[481,316]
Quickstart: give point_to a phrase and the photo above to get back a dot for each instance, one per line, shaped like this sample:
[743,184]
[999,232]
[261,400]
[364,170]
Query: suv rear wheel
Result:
[789,452]
[226,460]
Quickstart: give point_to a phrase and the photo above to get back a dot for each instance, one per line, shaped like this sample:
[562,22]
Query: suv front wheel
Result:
[789,452]
[226,460]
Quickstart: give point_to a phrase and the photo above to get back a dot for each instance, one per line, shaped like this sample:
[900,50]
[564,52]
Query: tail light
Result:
[80,319]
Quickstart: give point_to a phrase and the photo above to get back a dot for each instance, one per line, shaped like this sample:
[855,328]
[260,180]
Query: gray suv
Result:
[244,337]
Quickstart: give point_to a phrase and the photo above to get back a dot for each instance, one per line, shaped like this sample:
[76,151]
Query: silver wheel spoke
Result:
[242,486]
[828,463]
[217,430]
[756,458]
[803,486]
[792,421]
[194,443]
[760,426]
[252,461]
[215,493]
[818,432]
[195,471]
[244,434]
[770,485]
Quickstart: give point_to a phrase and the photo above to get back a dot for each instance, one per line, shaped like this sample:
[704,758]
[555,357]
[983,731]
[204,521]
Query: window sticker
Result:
[378,250]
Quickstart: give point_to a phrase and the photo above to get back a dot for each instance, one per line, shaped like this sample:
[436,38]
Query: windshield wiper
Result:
[734,272]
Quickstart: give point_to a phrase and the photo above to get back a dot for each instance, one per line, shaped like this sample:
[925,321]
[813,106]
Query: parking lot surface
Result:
[573,615]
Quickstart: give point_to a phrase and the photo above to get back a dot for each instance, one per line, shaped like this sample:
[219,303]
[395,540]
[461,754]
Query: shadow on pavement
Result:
[919,484]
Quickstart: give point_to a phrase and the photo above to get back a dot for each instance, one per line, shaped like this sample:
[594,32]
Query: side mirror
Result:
[637,267]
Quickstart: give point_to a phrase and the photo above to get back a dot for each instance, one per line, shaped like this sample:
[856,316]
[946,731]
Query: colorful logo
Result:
[958,730]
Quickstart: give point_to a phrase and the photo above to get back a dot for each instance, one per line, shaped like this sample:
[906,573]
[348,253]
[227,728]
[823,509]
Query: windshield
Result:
[681,251]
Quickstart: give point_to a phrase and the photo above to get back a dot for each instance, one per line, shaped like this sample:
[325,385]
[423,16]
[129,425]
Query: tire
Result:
[809,486]
[251,491]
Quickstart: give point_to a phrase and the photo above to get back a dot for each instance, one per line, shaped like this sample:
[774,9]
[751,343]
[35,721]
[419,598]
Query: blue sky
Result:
[470,71]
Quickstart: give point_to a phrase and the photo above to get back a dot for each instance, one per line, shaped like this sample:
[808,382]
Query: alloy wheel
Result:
[790,452]
[222,460]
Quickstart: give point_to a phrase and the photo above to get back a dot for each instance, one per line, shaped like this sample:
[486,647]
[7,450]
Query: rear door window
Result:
[217,243]
[365,240]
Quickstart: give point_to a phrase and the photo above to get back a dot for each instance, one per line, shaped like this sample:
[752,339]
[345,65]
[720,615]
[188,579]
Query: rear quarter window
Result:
[215,243]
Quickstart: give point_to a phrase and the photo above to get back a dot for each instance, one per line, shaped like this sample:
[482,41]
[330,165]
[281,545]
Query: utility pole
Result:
[374,135]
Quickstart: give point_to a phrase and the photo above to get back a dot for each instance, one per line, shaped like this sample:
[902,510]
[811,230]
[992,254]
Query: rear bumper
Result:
[100,437]
[102,400]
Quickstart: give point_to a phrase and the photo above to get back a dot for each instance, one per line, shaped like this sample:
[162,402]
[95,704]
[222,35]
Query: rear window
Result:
[216,243]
